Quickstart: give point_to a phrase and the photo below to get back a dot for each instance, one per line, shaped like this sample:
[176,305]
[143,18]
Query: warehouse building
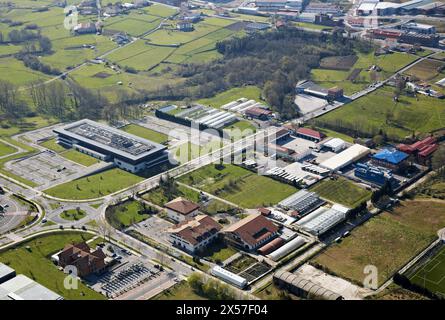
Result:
[127,151]
[251,232]
[309,134]
[271,246]
[334,144]
[372,174]
[286,249]
[421,150]
[194,234]
[258,113]
[302,202]
[419,28]
[391,159]
[346,157]
[21,287]
[6,273]
[323,219]
[229,277]
[303,287]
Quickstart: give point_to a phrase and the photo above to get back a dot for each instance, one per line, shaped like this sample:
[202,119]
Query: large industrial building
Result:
[372,174]
[20,287]
[346,157]
[390,158]
[302,202]
[323,219]
[303,287]
[127,151]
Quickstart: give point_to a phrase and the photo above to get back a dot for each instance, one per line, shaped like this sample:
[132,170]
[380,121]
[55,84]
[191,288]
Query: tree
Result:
[45,44]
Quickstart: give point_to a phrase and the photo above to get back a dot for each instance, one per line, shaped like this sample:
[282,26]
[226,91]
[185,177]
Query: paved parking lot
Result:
[45,168]
[126,278]
[155,228]
[40,134]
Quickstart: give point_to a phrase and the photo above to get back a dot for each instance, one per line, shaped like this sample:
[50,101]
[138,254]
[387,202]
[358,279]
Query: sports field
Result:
[387,241]
[431,273]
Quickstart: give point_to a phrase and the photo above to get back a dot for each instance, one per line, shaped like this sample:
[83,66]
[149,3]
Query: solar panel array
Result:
[111,139]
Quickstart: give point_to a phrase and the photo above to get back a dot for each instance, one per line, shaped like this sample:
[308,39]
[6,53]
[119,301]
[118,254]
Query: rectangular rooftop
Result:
[110,139]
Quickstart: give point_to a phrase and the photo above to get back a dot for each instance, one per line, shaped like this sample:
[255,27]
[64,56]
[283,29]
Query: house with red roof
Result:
[83,258]
[180,209]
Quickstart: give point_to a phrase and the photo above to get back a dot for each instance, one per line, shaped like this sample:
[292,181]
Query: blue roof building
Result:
[390,158]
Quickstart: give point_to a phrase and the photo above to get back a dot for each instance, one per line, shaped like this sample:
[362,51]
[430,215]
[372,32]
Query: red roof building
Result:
[423,149]
[194,234]
[251,232]
[80,256]
[258,113]
[310,134]
[180,209]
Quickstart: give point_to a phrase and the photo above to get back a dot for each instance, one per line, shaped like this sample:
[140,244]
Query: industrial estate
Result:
[222,150]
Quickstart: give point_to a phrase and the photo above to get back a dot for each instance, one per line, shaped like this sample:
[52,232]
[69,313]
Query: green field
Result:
[53,145]
[94,186]
[158,197]
[387,241]
[125,214]
[70,154]
[248,92]
[73,214]
[180,291]
[388,63]
[35,263]
[6,149]
[145,133]
[378,110]
[218,251]
[430,274]
[342,191]
[8,128]
[238,185]
[79,157]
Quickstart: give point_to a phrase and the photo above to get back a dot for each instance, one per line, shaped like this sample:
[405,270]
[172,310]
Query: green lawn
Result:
[73,214]
[94,186]
[6,149]
[387,241]
[53,145]
[126,214]
[79,157]
[36,264]
[388,63]
[146,133]
[342,191]
[158,197]
[180,291]
[378,110]
[248,92]
[238,185]
[218,251]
